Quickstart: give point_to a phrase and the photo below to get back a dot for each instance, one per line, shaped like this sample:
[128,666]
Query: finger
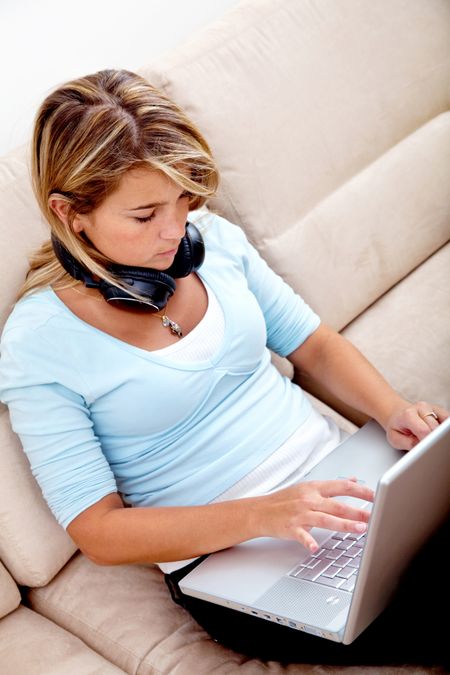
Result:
[412,422]
[402,440]
[433,415]
[346,487]
[428,415]
[341,510]
[308,541]
[431,422]
[441,412]
[330,522]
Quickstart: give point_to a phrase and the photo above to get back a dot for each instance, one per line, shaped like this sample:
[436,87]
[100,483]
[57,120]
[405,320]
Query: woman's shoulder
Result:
[218,232]
[32,313]
[37,346]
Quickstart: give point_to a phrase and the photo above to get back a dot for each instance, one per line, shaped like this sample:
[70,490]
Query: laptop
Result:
[337,592]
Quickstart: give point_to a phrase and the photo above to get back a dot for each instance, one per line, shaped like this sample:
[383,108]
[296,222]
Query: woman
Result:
[128,388]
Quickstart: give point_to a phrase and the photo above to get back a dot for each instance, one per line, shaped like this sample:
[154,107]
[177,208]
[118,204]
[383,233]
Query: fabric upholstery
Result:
[32,645]
[32,544]
[413,318]
[373,230]
[126,614]
[406,335]
[9,593]
[22,228]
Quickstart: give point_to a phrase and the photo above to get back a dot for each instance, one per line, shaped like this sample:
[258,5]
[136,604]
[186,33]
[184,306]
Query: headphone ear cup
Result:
[190,254]
[70,264]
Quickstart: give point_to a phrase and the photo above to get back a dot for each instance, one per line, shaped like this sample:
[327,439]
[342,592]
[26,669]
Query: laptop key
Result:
[342,561]
[354,562]
[344,545]
[349,584]
[333,555]
[331,571]
[346,572]
[312,574]
[335,582]
[352,552]
[319,553]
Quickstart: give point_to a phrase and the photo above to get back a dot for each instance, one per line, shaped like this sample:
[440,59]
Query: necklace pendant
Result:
[175,328]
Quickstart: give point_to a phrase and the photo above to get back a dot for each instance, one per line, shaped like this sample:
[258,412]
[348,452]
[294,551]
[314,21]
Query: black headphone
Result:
[157,287]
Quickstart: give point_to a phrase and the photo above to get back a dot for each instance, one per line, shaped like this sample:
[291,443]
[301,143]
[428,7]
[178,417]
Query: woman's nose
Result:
[174,224]
[173,229]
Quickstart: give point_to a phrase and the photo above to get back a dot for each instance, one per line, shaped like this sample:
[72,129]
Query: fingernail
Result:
[360,527]
[313,548]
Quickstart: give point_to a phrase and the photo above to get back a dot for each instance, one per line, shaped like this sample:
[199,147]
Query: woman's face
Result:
[141,223]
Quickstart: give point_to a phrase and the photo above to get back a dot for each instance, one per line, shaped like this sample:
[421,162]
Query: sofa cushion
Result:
[373,230]
[406,335]
[32,543]
[299,98]
[9,593]
[127,614]
[32,645]
[21,226]
[414,320]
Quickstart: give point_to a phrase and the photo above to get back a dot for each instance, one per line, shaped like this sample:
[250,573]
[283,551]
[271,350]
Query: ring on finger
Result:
[431,414]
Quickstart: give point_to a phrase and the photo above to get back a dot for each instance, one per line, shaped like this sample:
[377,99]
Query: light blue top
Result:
[96,414]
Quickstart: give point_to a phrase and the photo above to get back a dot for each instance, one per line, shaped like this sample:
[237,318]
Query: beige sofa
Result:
[330,123]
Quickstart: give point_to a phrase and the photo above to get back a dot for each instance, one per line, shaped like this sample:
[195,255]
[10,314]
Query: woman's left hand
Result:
[411,422]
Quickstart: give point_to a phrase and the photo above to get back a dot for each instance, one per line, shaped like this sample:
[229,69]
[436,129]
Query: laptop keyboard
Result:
[335,564]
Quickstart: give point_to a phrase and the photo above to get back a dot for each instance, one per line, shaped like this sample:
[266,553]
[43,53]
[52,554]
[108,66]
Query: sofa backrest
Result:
[33,545]
[330,124]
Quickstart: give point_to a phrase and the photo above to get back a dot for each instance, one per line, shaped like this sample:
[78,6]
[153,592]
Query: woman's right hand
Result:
[290,513]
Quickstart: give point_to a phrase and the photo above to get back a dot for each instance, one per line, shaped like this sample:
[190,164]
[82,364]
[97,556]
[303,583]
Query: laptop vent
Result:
[304,601]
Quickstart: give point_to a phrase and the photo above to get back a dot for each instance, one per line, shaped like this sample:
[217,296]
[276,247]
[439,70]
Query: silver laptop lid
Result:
[412,500]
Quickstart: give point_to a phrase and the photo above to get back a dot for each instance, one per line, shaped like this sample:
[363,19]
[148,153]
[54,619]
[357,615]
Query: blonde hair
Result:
[87,134]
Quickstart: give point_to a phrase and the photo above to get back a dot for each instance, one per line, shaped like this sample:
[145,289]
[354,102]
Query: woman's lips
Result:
[172,251]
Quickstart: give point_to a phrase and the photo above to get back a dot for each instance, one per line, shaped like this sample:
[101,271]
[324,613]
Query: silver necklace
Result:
[173,326]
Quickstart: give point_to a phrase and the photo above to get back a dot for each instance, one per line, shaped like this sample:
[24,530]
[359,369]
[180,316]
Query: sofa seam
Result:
[397,283]
[77,637]
[362,169]
[95,630]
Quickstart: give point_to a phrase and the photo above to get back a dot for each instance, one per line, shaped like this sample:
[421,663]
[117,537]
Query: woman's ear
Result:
[61,206]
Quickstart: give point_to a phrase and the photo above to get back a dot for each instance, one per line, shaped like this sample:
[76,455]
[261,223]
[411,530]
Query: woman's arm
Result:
[110,534]
[337,364]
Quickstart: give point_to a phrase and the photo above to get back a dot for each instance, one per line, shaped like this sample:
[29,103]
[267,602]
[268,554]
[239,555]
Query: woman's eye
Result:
[146,219]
